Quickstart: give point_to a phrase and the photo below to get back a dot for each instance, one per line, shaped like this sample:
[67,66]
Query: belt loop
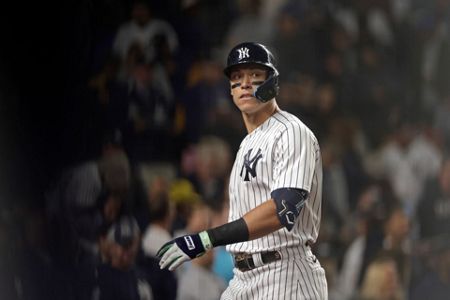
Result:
[248,264]
[257,259]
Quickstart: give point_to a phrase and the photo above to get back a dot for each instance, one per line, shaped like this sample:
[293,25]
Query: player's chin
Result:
[249,107]
[247,102]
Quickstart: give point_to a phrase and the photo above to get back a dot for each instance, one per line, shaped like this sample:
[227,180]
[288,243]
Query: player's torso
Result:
[251,182]
[252,172]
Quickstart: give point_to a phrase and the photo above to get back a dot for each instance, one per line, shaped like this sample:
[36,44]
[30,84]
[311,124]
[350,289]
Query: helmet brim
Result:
[227,71]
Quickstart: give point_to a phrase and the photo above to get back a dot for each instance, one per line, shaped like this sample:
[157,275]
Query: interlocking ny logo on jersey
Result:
[250,164]
[243,53]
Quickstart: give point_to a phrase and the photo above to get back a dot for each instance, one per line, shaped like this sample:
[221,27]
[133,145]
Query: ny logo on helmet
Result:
[243,53]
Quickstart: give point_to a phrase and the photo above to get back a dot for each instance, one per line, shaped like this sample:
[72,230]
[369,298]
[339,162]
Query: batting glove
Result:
[172,254]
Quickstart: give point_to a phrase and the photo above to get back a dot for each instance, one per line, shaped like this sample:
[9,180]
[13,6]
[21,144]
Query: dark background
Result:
[44,55]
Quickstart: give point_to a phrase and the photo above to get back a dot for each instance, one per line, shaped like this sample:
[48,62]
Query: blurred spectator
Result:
[199,282]
[431,58]
[110,96]
[161,216]
[147,31]
[36,275]
[433,214]
[377,92]
[366,215]
[339,67]
[293,42]
[440,121]
[157,232]
[212,167]
[335,191]
[186,200]
[368,20]
[325,108]
[198,219]
[206,165]
[407,160]
[149,130]
[145,42]
[195,40]
[84,201]
[345,180]
[297,94]
[381,281]
[435,282]
[396,239]
[119,278]
[88,197]
[249,25]
[207,105]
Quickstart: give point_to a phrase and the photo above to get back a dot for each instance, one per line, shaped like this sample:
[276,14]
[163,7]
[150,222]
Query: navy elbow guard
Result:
[289,202]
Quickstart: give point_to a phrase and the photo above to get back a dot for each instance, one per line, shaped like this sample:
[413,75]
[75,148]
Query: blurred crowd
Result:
[159,132]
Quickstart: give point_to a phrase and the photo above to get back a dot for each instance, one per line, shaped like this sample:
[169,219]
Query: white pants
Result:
[295,278]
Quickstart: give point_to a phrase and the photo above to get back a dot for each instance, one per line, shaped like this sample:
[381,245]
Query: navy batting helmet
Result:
[254,53]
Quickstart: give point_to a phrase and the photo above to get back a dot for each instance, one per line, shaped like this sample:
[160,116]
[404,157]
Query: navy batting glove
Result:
[172,254]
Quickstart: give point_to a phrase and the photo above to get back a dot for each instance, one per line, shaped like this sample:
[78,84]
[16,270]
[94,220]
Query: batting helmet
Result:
[254,53]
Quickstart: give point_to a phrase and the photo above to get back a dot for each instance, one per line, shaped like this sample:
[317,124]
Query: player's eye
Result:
[257,74]
[235,76]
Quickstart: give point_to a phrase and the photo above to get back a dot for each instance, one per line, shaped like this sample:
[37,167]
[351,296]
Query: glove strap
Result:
[206,241]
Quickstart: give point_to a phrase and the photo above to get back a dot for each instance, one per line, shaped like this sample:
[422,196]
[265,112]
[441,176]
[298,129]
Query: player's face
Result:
[243,81]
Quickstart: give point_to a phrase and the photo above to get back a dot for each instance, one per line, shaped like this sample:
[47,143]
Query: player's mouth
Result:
[246,96]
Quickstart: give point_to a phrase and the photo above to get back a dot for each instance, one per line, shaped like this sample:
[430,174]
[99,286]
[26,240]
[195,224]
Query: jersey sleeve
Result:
[294,159]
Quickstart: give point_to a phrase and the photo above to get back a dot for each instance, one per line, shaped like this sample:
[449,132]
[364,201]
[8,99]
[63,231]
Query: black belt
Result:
[244,261]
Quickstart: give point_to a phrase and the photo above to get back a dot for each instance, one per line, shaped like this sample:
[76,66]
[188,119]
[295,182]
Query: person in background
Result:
[119,277]
[199,282]
[435,282]
[381,281]
[146,31]
[158,230]
[162,213]
[433,214]
[86,199]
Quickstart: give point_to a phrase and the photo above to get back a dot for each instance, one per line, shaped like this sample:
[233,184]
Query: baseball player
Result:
[275,194]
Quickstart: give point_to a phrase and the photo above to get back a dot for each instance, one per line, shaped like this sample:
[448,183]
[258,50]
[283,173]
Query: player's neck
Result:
[254,120]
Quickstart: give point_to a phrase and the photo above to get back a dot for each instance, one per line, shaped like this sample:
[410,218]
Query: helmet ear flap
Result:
[269,89]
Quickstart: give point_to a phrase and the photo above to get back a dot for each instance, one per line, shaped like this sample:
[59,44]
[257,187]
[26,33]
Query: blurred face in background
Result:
[140,14]
[444,178]
[199,219]
[123,257]
[398,225]
[112,207]
[381,281]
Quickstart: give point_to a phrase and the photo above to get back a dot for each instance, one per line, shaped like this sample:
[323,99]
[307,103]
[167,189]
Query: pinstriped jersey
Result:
[280,153]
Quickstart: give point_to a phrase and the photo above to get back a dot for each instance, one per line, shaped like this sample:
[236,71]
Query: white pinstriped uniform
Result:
[281,152]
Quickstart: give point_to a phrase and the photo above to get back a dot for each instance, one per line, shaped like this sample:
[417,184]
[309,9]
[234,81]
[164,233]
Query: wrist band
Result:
[206,241]
[229,233]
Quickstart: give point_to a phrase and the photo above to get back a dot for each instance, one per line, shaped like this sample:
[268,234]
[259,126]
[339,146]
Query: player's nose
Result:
[246,82]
